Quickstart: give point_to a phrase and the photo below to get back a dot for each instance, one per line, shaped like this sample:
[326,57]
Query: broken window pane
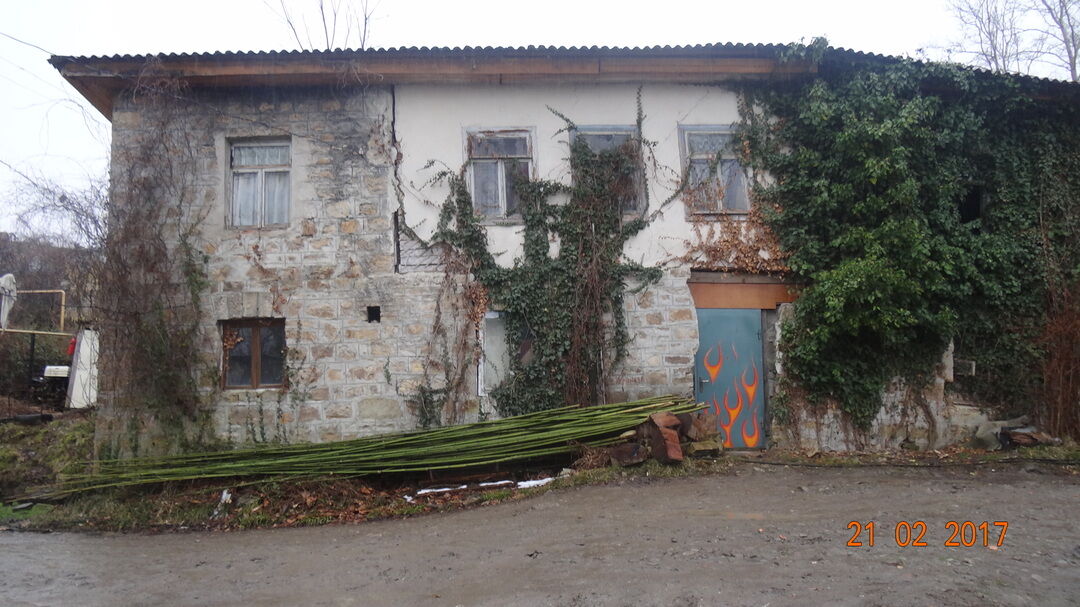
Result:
[238,357]
[272,354]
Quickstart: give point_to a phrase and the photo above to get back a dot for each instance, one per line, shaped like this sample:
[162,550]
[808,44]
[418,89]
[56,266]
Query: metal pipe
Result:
[26,332]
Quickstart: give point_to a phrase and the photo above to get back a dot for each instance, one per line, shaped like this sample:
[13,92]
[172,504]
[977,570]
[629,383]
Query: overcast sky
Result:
[49,130]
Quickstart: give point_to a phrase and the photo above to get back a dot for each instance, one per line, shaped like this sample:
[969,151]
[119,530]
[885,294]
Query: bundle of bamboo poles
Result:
[545,433]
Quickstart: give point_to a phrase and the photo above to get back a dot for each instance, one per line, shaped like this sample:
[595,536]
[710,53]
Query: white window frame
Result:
[481,389]
[501,162]
[619,129]
[261,172]
[684,147]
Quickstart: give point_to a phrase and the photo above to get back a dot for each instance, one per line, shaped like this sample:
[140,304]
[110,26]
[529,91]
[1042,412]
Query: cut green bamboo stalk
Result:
[541,434]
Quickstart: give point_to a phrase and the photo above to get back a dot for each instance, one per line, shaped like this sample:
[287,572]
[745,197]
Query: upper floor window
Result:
[499,159]
[716,181]
[608,139]
[260,183]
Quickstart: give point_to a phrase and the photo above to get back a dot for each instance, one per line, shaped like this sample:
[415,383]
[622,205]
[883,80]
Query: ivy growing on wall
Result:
[564,308]
[918,204]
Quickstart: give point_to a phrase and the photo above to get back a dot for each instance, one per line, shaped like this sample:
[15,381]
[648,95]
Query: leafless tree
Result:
[1060,32]
[334,21]
[1018,35]
[995,35]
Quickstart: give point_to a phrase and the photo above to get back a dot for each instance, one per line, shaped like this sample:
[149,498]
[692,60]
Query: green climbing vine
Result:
[919,203]
[564,309]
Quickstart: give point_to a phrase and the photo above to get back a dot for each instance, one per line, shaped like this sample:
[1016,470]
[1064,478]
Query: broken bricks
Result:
[662,431]
[663,437]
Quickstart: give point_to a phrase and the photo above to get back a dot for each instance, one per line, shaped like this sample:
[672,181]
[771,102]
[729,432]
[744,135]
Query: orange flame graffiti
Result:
[751,388]
[732,413]
[751,439]
[713,369]
[716,407]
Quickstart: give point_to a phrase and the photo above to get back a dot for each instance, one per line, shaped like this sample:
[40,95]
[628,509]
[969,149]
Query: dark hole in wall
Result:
[374,314]
[972,203]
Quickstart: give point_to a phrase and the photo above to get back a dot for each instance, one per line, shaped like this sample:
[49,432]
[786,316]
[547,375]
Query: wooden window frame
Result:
[501,162]
[256,351]
[715,163]
[260,171]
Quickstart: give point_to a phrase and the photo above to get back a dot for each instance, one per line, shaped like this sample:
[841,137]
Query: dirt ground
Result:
[763,535]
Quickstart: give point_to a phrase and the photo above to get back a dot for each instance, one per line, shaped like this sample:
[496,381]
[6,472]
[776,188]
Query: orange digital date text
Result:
[961,533]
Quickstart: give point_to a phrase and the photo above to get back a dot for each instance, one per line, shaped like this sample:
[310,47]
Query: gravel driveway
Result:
[764,535]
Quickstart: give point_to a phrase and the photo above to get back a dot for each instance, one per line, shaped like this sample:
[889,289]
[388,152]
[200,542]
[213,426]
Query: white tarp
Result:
[82,383]
[7,298]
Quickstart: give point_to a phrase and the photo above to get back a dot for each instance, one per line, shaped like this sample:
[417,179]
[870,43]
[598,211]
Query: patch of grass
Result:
[33,456]
[308,503]
[9,515]
[494,496]
[647,470]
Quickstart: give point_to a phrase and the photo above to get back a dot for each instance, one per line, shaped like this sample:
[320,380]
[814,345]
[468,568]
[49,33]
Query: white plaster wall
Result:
[432,122]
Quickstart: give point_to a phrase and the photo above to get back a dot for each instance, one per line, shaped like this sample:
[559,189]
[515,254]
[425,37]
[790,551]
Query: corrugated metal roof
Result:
[729,47]
[732,49]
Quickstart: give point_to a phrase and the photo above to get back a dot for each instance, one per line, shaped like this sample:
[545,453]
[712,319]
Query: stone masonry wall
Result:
[347,376]
[336,257]
[663,330]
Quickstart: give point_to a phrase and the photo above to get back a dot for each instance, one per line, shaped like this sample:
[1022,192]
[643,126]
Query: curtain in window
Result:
[277,197]
[245,199]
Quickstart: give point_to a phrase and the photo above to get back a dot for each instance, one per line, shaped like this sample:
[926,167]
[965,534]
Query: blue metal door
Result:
[728,372]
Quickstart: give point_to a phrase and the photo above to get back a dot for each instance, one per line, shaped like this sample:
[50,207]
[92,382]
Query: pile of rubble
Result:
[668,438]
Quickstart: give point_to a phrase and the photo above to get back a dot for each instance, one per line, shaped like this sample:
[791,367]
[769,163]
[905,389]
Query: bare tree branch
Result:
[337,18]
[1061,19]
[1015,35]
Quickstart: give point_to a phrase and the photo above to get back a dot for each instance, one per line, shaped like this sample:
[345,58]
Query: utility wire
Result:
[30,44]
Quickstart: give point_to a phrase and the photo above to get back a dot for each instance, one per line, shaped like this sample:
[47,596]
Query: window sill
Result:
[513,220]
[259,390]
[265,228]
[717,214]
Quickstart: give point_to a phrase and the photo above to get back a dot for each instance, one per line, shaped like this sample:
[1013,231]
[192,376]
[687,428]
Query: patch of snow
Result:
[441,490]
[537,483]
[496,483]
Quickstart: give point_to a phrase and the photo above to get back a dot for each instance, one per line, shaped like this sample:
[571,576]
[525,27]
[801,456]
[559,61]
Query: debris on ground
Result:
[554,432]
[1010,434]
[668,438]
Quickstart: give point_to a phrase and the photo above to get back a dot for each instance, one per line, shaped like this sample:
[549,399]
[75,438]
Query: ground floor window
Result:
[253,353]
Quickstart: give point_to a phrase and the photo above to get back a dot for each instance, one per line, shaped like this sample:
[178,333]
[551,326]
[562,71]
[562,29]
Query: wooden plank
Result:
[740,296]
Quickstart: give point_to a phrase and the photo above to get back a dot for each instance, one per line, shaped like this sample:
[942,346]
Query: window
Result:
[496,357]
[716,180]
[253,353]
[498,159]
[607,139]
[260,184]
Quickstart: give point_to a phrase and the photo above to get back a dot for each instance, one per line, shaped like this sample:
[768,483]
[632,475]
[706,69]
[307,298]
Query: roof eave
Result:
[99,80]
